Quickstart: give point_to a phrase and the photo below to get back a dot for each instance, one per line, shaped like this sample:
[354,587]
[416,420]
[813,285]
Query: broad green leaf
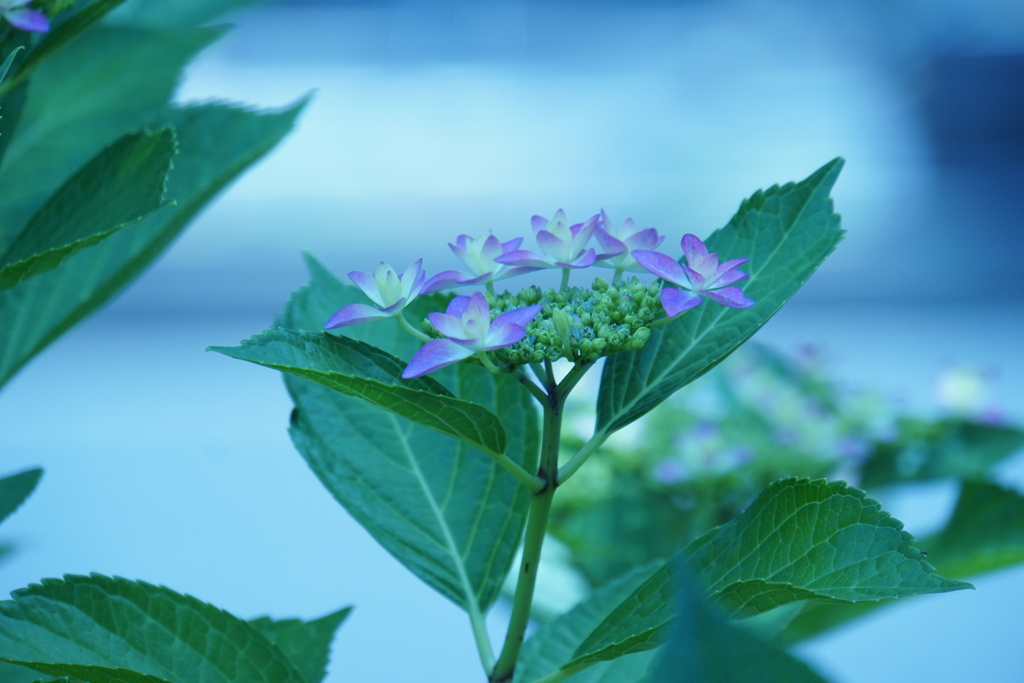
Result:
[95,628]
[447,511]
[63,30]
[636,624]
[704,647]
[985,533]
[363,371]
[178,12]
[14,489]
[306,644]
[216,143]
[119,187]
[926,450]
[105,83]
[818,540]
[566,643]
[786,233]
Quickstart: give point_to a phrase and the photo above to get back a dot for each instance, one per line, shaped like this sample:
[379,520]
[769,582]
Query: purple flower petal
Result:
[696,280]
[448,325]
[648,238]
[552,244]
[665,267]
[612,245]
[446,279]
[457,306]
[727,278]
[732,297]
[366,282]
[518,316]
[26,19]
[435,355]
[675,301]
[523,258]
[696,252]
[353,314]
[584,260]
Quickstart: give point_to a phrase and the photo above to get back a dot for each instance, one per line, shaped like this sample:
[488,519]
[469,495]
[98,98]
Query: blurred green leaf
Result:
[103,630]
[63,31]
[15,488]
[816,540]
[786,233]
[704,647]
[926,450]
[557,645]
[364,371]
[106,83]
[121,186]
[216,143]
[306,644]
[447,511]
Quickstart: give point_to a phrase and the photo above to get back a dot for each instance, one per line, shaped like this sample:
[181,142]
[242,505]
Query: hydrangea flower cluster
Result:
[508,330]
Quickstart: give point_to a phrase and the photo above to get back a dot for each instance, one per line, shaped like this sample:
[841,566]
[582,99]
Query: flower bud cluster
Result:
[581,324]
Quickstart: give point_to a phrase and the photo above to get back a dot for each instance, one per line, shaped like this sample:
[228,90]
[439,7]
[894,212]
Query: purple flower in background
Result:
[618,243]
[19,16]
[390,292]
[563,245]
[479,254]
[702,275]
[469,330]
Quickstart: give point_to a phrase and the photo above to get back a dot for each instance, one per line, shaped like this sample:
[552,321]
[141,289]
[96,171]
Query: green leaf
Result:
[14,489]
[98,629]
[106,83]
[803,539]
[705,647]
[119,187]
[786,233]
[216,143]
[61,34]
[925,450]
[364,371]
[984,533]
[306,644]
[448,512]
[597,629]
[638,623]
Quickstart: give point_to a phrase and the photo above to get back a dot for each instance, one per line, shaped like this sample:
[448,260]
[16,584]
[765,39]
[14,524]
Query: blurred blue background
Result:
[433,118]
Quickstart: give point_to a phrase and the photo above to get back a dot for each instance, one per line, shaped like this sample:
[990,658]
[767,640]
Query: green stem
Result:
[573,377]
[482,638]
[576,461]
[537,392]
[565,280]
[536,527]
[411,330]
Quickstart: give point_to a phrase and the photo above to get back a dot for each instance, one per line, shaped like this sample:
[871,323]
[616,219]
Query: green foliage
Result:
[704,647]
[94,87]
[984,533]
[786,233]
[567,642]
[102,630]
[216,143]
[307,644]
[815,540]
[364,371]
[119,187]
[445,510]
[15,488]
[953,447]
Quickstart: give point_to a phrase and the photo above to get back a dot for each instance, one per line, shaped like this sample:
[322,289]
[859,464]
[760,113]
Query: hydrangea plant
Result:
[482,381]
[437,409]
